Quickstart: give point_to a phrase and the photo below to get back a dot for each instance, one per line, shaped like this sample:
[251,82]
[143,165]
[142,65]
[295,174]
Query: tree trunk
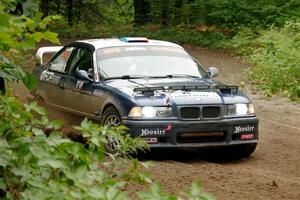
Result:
[79,10]
[164,13]
[70,11]
[18,10]
[45,7]
[141,11]
[178,12]
[58,7]
[2,86]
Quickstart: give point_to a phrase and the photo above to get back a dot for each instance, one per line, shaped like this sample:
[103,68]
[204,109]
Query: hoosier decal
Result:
[147,132]
[244,129]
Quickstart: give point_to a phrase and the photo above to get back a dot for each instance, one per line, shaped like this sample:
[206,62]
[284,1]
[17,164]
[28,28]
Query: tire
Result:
[111,117]
[242,151]
[39,99]
[110,113]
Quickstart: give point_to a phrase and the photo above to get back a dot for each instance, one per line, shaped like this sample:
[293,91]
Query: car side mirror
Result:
[82,75]
[213,72]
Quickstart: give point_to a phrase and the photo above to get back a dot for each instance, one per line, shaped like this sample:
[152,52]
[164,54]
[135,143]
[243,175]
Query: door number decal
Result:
[50,77]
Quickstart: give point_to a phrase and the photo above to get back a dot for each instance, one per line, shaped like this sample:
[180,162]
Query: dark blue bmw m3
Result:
[155,88]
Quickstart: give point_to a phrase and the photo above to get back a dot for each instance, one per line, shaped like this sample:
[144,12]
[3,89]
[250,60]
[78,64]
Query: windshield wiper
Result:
[144,76]
[181,75]
[175,76]
[126,77]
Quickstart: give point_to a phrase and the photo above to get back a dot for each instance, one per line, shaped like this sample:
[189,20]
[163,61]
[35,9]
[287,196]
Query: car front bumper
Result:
[195,134]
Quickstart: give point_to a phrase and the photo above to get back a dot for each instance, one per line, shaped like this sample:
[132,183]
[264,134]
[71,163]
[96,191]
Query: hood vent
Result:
[227,89]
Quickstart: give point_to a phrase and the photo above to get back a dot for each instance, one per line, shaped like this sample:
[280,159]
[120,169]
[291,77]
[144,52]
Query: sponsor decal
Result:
[166,49]
[79,84]
[135,49]
[148,132]
[66,54]
[243,129]
[97,77]
[98,93]
[111,50]
[50,77]
[150,140]
[247,136]
[168,128]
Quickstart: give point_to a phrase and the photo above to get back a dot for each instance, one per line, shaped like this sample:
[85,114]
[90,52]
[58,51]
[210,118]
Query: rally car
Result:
[155,88]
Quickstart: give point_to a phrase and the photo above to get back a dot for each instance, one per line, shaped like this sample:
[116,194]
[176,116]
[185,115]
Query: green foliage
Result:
[198,22]
[38,162]
[156,193]
[275,52]
[19,34]
[242,41]
[35,165]
[195,193]
[195,35]
[22,32]
[233,13]
[124,144]
[96,11]
[223,13]
[184,35]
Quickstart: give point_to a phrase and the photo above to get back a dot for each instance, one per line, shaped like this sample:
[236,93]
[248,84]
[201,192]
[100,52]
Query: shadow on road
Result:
[189,156]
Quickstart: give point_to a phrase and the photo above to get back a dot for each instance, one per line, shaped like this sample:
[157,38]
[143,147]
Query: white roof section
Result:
[134,41]
[43,50]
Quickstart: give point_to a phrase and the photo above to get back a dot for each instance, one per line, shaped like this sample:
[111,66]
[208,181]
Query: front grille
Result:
[211,112]
[190,112]
[199,137]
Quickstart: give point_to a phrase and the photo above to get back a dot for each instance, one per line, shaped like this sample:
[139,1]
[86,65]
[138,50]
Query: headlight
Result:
[150,112]
[239,109]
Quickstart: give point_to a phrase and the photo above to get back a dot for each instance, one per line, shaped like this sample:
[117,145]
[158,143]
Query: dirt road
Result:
[272,172]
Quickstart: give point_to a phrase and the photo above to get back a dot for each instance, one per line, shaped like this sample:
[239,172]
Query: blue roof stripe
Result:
[133,39]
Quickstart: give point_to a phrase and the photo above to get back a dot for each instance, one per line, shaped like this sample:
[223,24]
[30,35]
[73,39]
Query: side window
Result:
[82,60]
[59,63]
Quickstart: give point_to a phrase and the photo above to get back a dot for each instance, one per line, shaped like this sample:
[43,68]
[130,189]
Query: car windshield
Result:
[147,61]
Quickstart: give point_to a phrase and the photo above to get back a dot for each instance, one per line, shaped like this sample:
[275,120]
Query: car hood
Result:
[179,97]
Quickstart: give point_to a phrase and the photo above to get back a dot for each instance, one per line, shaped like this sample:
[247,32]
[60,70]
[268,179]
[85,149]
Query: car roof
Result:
[126,41]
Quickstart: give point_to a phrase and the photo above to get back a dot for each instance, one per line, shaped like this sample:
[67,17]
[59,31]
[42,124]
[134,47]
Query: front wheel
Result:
[242,151]
[111,118]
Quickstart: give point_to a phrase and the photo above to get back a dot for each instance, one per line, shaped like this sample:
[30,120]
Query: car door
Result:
[50,78]
[79,94]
